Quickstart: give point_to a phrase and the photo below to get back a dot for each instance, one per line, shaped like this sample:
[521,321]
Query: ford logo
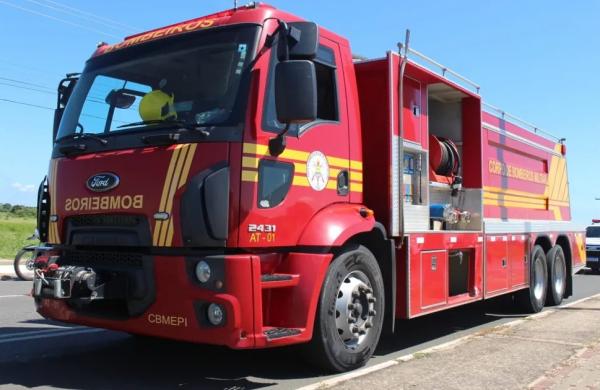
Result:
[101,182]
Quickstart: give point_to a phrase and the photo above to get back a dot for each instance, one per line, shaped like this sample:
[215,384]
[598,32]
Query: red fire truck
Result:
[240,179]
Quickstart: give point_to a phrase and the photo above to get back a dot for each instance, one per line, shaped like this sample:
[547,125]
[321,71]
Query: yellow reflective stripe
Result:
[250,162]
[338,162]
[250,176]
[356,187]
[169,238]
[256,149]
[53,209]
[299,167]
[333,172]
[159,227]
[515,198]
[332,185]
[298,155]
[506,203]
[512,192]
[177,173]
[356,165]
[301,181]
[178,176]
[356,176]
[187,165]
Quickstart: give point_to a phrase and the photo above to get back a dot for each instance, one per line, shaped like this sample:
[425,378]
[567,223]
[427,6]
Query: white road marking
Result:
[49,335]
[35,332]
[14,296]
[392,362]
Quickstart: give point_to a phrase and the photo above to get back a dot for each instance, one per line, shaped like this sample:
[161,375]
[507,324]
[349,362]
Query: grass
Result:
[13,234]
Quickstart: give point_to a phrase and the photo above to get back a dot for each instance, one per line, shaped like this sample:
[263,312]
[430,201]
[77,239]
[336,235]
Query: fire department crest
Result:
[317,171]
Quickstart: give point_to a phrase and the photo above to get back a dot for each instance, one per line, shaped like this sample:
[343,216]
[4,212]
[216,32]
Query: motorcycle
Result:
[25,260]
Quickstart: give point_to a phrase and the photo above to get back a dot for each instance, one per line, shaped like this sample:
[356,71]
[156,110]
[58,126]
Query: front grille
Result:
[101,259]
[593,253]
[105,220]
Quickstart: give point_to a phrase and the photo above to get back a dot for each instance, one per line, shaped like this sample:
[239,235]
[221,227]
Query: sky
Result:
[537,59]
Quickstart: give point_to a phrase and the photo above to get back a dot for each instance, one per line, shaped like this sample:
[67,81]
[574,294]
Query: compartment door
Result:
[412,110]
[434,278]
[518,260]
[496,265]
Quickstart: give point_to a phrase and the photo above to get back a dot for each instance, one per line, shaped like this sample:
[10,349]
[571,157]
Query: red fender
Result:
[335,224]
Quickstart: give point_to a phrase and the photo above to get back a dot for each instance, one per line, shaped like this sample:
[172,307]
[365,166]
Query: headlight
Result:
[215,314]
[202,271]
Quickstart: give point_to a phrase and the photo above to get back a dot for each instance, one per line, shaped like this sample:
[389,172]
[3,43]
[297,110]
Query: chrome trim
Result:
[395,199]
[533,128]
[497,226]
[444,69]
[520,139]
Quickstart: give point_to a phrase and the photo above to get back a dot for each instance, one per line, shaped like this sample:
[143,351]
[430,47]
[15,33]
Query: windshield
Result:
[198,79]
[593,232]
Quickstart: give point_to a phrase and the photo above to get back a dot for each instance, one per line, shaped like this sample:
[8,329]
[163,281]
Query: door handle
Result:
[343,182]
[504,263]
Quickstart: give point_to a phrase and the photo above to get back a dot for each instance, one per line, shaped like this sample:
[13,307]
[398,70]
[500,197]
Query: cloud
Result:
[23,187]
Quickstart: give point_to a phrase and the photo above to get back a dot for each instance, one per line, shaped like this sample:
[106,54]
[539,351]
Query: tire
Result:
[557,275]
[533,298]
[350,313]
[23,264]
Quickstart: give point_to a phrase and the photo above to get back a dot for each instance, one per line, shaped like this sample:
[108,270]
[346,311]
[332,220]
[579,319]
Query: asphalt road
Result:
[35,352]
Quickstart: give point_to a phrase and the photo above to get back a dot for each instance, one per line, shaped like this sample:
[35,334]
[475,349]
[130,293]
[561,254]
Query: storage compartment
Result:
[460,263]
[454,159]
[433,278]
[496,265]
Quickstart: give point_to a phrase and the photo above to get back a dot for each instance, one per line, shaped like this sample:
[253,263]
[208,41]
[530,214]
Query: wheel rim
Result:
[355,309]
[539,279]
[559,275]
[26,264]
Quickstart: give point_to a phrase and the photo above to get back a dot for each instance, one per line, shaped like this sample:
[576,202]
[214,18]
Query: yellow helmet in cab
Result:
[157,105]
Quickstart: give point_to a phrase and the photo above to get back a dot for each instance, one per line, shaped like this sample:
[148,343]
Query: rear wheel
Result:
[533,298]
[557,275]
[24,264]
[350,312]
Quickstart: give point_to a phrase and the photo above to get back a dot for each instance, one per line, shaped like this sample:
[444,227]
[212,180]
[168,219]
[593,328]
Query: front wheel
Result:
[533,298]
[557,275]
[350,313]
[24,264]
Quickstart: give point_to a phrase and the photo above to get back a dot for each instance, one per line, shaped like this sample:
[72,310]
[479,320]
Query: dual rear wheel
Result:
[548,279]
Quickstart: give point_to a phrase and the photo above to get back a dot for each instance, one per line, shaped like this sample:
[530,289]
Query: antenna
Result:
[235,4]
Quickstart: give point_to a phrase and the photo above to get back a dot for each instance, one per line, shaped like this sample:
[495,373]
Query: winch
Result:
[62,282]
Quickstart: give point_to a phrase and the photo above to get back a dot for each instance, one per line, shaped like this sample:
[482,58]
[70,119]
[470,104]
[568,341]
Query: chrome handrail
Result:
[444,69]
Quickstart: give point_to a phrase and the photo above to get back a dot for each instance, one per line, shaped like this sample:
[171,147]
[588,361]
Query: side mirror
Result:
[296,91]
[119,98]
[65,89]
[304,40]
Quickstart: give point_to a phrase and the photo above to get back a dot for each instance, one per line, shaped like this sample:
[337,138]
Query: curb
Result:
[327,383]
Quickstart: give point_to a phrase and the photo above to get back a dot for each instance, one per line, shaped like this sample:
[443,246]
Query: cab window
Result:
[327,95]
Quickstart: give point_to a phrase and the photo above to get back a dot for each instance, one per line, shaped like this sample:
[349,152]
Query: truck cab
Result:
[592,245]
[201,175]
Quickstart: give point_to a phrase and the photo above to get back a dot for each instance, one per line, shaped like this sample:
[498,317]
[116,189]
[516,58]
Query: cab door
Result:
[280,195]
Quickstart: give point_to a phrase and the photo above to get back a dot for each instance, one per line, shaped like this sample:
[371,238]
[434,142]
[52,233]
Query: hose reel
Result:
[443,156]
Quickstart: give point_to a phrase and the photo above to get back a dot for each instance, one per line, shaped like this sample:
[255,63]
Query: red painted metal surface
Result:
[521,176]
[427,289]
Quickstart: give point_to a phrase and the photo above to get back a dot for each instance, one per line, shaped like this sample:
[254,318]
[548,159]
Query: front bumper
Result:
[259,311]
[593,258]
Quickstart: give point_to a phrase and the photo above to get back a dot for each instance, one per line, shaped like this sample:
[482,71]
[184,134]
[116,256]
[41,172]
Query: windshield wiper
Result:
[73,136]
[152,122]
[70,149]
[170,123]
